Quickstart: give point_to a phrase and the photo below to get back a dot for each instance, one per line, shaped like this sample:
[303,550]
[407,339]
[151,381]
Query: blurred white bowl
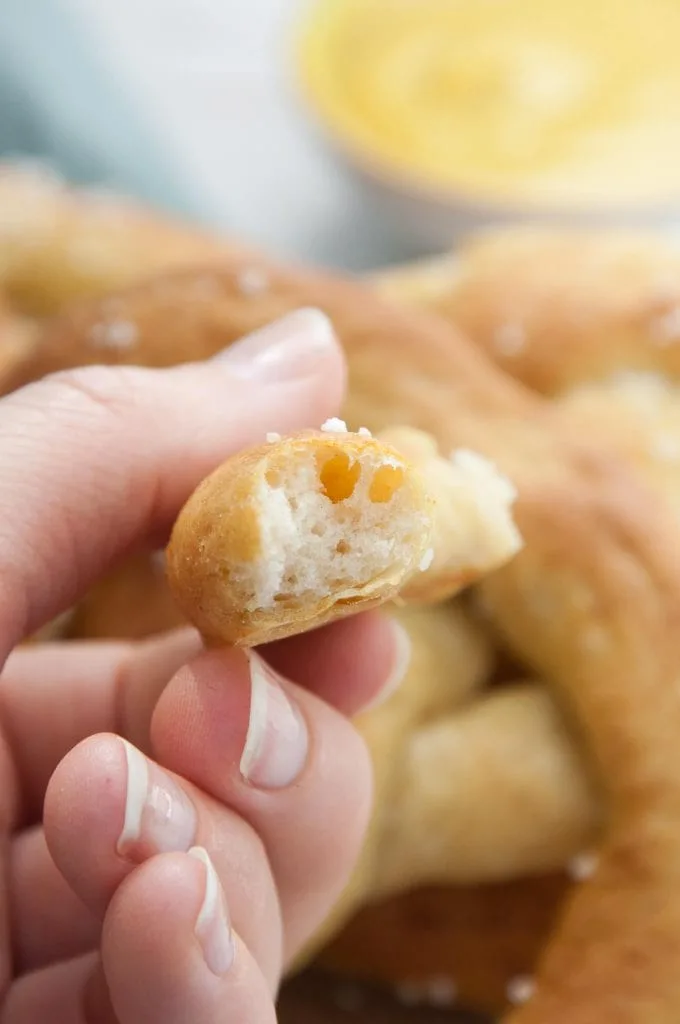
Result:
[429,220]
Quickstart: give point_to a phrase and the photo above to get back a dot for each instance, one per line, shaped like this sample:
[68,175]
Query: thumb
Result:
[95,460]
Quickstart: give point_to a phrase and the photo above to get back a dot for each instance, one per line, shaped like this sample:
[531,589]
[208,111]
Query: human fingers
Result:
[109,808]
[48,920]
[54,696]
[170,953]
[56,993]
[78,489]
[291,765]
[351,664]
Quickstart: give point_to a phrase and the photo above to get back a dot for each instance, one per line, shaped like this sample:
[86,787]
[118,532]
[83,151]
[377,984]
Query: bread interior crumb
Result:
[331,524]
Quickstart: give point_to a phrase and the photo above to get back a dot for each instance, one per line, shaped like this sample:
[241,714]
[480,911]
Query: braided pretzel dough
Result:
[591,528]
[556,308]
[302,530]
[294,533]
[474,946]
[18,336]
[57,244]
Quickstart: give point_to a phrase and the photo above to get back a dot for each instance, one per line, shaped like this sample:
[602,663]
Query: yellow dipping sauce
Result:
[544,101]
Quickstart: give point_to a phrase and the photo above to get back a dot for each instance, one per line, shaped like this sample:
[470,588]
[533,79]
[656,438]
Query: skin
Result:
[102,937]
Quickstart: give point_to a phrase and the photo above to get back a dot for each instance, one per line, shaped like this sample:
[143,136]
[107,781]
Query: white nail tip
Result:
[257,720]
[276,744]
[135,794]
[210,905]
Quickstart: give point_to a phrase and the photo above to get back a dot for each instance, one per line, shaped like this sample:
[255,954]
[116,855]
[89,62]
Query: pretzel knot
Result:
[590,605]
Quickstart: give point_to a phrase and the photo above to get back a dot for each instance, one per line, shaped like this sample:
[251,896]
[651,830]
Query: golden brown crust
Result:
[218,541]
[18,339]
[470,941]
[58,244]
[488,786]
[557,307]
[131,603]
[186,315]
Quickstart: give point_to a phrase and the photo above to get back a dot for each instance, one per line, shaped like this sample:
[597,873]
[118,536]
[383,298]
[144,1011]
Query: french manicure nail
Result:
[213,928]
[159,816]
[400,666]
[289,348]
[277,741]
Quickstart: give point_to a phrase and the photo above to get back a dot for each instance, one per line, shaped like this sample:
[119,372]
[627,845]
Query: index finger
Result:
[94,460]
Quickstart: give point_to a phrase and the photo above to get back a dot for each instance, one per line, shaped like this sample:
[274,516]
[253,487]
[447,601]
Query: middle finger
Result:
[108,808]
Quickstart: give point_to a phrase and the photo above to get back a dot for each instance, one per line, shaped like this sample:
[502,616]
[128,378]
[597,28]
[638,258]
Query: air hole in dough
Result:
[339,477]
[385,482]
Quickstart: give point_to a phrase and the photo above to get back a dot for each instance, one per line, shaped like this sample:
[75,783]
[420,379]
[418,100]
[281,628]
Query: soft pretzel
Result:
[298,531]
[440,747]
[58,244]
[302,530]
[18,336]
[473,530]
[468,946]
[132,602]
[622,624]
[594,591]
[556,308]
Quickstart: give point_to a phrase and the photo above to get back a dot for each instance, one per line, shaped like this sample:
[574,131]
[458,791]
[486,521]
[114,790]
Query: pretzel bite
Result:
[296,532]
[474,531]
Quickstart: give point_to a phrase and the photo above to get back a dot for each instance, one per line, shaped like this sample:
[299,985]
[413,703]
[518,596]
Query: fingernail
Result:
[400,666]
[159,816]
[277,741]
[213,928]
[289,348]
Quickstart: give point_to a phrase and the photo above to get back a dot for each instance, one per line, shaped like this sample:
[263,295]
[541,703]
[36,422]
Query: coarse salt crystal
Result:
[334,426]
[364,432]
[120,334]
[273,437]
[426,560]
[252,281]
[440,991]
[520,989]
[583,866]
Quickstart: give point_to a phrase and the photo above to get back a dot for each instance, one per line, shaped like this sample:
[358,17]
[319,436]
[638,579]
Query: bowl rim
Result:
[409,187]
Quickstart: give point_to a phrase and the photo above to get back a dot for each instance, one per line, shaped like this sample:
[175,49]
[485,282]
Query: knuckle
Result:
[111,391]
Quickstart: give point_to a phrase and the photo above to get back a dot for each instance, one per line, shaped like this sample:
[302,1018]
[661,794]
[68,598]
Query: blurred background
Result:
[445,113]
[187,103]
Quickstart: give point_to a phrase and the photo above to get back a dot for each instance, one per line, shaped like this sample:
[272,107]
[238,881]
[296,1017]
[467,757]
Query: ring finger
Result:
[108,808]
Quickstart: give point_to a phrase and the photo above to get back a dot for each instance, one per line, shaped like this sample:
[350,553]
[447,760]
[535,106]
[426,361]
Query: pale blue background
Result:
[187,104]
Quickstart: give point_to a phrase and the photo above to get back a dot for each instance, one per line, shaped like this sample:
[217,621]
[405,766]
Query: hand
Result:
[176,821]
